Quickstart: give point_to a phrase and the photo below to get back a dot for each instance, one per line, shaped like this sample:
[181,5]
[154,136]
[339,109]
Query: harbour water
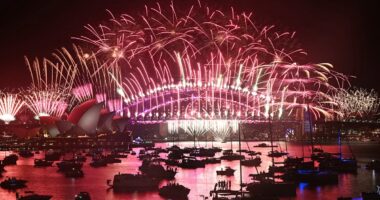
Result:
[200,181]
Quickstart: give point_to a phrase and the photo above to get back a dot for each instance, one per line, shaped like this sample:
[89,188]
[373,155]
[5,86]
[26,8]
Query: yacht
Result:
[132,182]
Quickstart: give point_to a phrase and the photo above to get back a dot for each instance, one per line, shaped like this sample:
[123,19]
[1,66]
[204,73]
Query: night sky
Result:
[340,32]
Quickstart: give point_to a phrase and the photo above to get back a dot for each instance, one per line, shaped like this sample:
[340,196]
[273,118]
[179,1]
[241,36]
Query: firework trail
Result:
[10,105]
[47,102]
[91,79]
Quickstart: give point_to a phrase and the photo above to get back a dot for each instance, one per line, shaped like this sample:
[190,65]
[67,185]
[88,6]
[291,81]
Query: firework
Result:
[48,102]
[10,105]
[48,75]
[210,64]
[357,103]
[91,80]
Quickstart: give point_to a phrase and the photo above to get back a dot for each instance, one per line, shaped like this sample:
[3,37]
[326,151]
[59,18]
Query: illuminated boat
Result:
[74,173]
[373,165]
[345,165]
[315,177]
[82,196]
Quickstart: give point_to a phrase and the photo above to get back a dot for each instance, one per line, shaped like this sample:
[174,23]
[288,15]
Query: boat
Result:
[155,170]
[74,173]
[321,156]
[10,160]
[315,177]
[80,158]
[277,154]
[175,154]
[266,189]
[202,152]
[212,160]
[253,153]
[373,165]
[252,162]
[277,169]
[227,152]
[98,162]
[13,183]
[265,145]
[173,148]
[292,161]
[216,149]
[42,163]
[174,191]
[68,165]
[82,196]
[142,152]
[26,154]
[171,162]
[148,156]
[1,167]
[344,165]
[264,184]
[222,191]
[110,159]
[53,156]
[132,182]
[242,150]
[336,162]
[30,195]
[232,156]
[225,172]
[371,195]
[191,163]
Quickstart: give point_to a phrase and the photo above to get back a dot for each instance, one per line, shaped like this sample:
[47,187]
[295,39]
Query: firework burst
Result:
[205,63]
[48,102]
[10,105]
[357,103]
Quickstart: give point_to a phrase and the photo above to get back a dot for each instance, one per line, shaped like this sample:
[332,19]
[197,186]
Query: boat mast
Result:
[311,129]
[271,137]
[240,167]
[340,141]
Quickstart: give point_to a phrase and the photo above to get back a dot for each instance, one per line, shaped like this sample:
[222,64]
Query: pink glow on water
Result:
[200,181]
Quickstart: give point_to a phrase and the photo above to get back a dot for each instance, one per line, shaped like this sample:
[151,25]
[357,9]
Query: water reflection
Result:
[200,181]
